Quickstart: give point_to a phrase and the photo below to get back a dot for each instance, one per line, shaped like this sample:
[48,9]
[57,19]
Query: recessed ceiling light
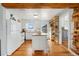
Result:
[35,16]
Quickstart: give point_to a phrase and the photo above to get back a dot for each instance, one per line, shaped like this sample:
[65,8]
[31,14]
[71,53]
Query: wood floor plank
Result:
[54,50]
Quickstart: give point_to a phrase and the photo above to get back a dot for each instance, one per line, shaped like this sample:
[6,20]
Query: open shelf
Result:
[76,14]
[54,23]
[76,32]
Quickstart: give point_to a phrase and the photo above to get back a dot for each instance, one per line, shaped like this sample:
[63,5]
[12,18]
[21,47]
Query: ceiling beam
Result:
[40,5]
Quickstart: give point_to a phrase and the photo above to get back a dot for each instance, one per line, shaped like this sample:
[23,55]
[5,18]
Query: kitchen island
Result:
[40,43]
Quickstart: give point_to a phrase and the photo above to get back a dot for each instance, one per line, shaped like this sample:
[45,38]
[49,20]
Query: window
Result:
[29,26]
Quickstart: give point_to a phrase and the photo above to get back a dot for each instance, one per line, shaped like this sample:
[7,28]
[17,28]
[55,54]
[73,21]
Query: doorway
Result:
[65,37]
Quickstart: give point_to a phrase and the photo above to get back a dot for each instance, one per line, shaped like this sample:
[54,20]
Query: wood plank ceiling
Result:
[40,5]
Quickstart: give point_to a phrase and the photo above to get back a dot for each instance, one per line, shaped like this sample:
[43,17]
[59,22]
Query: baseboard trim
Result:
[16,49]
[73,53]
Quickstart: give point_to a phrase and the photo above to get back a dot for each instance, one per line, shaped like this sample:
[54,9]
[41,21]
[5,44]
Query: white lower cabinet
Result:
[40,42]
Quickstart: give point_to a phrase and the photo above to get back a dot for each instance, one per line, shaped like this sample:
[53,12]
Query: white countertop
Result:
[42,34]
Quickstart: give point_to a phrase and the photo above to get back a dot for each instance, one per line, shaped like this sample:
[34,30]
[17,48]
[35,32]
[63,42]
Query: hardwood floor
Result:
[57,50]
[54,50]
[24,50]
[65,43]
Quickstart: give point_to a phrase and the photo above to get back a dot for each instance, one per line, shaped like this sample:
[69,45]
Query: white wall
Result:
[65,21]
[14,35]
[3,31]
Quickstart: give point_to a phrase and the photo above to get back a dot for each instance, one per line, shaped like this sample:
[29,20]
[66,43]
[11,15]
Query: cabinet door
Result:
[35,43]
[43,43]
